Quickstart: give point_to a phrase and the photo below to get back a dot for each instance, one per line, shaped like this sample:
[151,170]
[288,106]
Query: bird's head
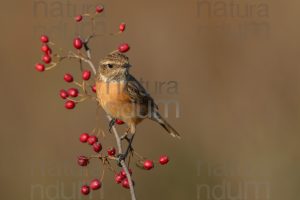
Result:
[114,66]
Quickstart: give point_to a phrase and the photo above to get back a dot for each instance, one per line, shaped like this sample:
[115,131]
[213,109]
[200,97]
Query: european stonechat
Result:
[123,97]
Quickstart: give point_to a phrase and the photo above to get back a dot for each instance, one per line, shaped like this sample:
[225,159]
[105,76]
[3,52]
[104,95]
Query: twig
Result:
[88,61]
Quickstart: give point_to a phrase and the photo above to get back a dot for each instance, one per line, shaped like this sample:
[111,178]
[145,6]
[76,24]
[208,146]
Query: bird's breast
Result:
[111,92]
[113,97]
[116,102]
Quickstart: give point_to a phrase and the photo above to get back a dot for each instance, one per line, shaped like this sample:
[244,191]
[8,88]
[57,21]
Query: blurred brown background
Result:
[237,68]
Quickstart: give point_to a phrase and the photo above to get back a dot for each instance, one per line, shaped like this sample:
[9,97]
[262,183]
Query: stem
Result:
[122,162]
[117,137]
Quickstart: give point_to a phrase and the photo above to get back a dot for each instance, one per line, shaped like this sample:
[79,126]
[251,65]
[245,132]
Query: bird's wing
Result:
[138,94]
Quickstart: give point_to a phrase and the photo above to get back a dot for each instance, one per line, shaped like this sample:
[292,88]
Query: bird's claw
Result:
[123,156]
[125,137]
[111,124]
[120,158]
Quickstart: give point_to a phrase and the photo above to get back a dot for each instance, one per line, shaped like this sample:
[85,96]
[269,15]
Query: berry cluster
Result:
[78,43]
[84,161]
[94,185]
[46,57]
[149,164]
[120,177]
[73,92]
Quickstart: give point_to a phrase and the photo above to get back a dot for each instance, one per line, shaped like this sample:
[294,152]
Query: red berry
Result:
[73,92]
[77,43]
[119,178]
[123,48]
[123,174]
[46,58]
[97,147]
[125,183]
[49,52]
[119,122]
[163,160]
[94,88]
[83,161]
[84,137]
[40,67]
[92,140]
[78,18]
[85,190]
[122,27]
[148,164]
[70,105]
[44,39]
[68,78]
[99,9]
[45,48]
[111,151]
[95,184]
[63,94]
[86,75]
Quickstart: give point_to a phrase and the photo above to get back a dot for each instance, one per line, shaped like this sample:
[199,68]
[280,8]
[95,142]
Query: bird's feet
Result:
[120,158]
[129,140]
[128,150]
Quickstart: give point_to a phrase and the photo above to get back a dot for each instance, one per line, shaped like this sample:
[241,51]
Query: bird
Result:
[123,97]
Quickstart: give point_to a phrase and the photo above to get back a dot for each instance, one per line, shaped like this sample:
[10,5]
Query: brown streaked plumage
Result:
[123,97]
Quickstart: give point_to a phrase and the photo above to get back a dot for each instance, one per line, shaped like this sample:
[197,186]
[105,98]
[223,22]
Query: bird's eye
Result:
[110,65]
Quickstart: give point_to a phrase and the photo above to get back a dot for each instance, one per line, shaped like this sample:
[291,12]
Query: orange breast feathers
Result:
[114,99]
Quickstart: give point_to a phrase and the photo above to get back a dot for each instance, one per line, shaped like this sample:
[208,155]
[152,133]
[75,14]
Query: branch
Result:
[117,137]
[87,60]
[122,162]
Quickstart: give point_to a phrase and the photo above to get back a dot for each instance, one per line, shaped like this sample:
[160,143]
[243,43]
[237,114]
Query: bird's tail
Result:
[158,118]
